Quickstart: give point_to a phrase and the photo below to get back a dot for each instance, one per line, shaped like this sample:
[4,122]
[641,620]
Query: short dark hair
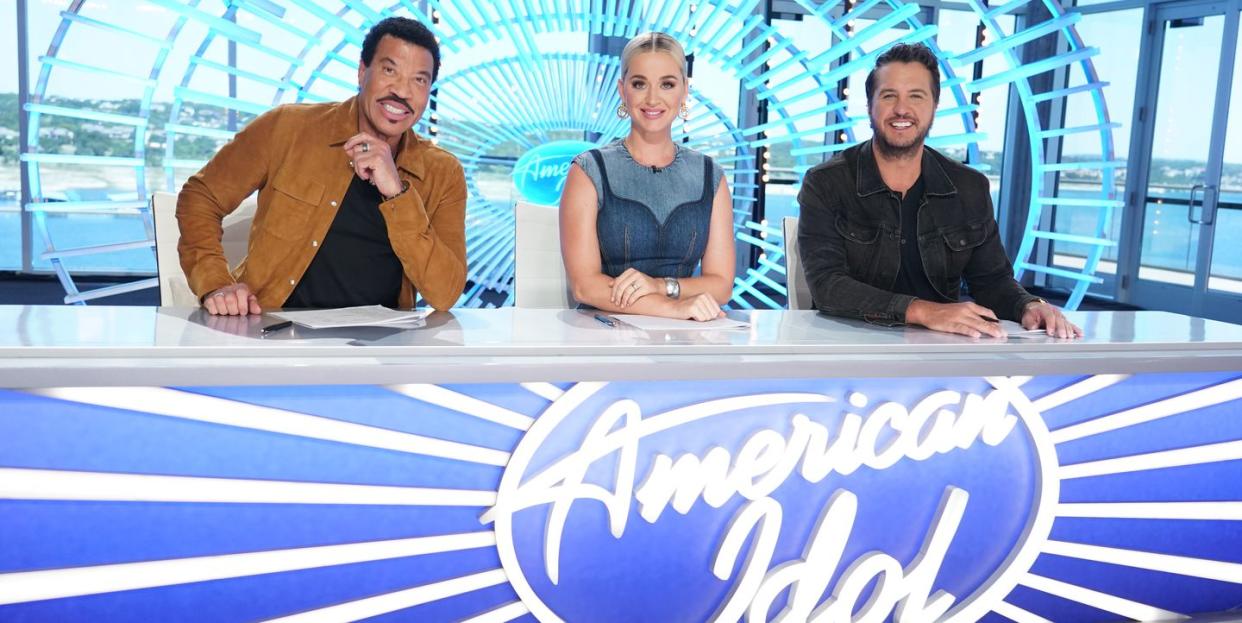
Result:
[405,29]
[907,53]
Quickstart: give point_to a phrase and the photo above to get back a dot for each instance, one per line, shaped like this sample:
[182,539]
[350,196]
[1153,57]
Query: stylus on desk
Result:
[272,328]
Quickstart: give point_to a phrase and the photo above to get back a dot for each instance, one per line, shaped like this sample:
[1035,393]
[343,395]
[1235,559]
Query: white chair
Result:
[539,279]
[795,280]
[174,289]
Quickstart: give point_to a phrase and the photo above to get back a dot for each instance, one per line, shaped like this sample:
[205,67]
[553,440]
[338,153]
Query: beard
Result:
[894,151]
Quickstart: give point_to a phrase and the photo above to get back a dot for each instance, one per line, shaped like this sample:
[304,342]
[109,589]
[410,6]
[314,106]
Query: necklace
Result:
[630,150]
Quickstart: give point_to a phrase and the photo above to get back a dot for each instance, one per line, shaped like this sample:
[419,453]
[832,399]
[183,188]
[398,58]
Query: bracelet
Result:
[1037,300]
[405,185]
[672,288]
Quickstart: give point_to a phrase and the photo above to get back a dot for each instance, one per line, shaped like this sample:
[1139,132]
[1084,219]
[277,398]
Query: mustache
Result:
[397,100]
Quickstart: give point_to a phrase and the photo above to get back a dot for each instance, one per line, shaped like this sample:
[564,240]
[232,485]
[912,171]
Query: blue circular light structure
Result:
[509,86]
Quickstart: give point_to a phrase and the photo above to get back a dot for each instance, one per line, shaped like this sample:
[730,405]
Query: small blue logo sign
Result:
[539,174]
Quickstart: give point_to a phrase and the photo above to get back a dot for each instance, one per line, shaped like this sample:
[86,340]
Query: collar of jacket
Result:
[936,180]
[344,124]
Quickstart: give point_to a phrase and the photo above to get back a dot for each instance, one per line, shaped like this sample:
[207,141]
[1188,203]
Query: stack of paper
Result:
[365,316]
[655,323]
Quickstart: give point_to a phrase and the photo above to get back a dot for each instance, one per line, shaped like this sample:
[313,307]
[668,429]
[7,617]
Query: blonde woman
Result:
[641,214]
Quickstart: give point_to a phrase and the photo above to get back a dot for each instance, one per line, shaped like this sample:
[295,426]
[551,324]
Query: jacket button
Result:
[962,242]
[314,243]
[292,282]
[332,203]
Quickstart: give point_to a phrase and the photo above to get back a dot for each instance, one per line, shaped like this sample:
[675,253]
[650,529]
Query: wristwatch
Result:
[1036,301]
[672,288]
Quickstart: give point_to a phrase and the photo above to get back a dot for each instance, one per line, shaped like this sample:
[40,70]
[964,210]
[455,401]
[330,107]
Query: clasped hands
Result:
[632,285]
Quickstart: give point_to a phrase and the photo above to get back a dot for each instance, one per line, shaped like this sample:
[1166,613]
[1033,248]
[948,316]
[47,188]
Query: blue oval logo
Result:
[615,506]
[539,174]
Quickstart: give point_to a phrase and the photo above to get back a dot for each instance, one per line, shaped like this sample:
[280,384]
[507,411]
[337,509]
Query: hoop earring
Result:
[622,113]
[685,112]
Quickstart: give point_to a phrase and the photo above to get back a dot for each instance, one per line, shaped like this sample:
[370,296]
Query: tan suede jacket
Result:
[292,155]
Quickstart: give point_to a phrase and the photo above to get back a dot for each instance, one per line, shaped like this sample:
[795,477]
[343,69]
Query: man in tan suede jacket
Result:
[354,207]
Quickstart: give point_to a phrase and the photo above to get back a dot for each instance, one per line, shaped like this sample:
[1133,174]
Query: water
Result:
[1169,239]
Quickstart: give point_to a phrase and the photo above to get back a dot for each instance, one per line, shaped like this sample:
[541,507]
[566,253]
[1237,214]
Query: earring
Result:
[685,111]
[622,112]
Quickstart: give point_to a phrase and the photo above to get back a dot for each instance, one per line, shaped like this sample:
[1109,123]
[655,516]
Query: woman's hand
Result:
[701,307]
[632,285]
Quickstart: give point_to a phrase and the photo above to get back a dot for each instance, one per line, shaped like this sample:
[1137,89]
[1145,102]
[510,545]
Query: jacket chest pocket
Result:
[862,247]
[291,208]
[959,244]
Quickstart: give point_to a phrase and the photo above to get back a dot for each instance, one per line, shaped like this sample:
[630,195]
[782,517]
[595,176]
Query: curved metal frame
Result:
[727,33]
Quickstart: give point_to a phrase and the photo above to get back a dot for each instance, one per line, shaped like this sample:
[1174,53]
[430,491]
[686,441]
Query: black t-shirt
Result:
[355,264]
[912,278]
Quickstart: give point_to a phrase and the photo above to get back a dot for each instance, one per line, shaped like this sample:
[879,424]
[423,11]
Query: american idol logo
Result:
[794,501]
[539,174]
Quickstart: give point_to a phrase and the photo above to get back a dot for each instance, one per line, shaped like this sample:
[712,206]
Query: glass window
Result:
[10,172]
[810,36]
[957,33]
[1116,66]
[1226,273]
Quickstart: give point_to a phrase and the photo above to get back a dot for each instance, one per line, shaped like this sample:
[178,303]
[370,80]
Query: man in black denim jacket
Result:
[890,228]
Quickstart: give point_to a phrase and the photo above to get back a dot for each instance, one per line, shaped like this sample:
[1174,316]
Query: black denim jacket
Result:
[849,234]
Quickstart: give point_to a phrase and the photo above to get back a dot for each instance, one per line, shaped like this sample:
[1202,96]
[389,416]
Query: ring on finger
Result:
[366,147]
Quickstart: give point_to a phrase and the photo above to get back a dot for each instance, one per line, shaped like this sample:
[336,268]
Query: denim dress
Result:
[651,219]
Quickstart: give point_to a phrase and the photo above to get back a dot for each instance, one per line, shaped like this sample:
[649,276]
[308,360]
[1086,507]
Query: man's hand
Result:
[701,307]
[966,319]
[234,325]
[1042,315]
[232,300]
[372,161]
[632,285]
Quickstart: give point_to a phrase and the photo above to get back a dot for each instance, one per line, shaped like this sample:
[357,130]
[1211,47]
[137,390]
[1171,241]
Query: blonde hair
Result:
[653,42]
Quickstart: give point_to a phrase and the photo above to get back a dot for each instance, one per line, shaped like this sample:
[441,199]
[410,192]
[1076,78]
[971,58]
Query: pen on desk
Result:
[608,320]
[272,328]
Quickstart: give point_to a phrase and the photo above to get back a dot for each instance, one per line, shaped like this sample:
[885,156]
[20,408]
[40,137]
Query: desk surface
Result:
[97,345]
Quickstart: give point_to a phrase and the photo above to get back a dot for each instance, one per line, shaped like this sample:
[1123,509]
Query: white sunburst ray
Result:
[1184,403]
[403,599]
[1174,564]
[1018,614]
[1202,454]
[1113,604]
[502,614]
[547,391]
[464,404]
[102,486]
[28,586]
[224,412]
[1077,390]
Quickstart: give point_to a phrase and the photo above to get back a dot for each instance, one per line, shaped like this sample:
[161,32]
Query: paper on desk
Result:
[655,323]
[364,316]
[1015,331]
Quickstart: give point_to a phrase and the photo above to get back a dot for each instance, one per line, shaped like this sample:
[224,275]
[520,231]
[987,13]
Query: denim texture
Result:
[631,235]
[849,235]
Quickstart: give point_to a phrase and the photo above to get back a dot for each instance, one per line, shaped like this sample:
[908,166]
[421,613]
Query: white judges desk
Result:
[516,464]
[57,345]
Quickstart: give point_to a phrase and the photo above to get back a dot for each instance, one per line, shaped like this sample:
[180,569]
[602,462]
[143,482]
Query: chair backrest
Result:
[795,279]
[539,279]
[174,289]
